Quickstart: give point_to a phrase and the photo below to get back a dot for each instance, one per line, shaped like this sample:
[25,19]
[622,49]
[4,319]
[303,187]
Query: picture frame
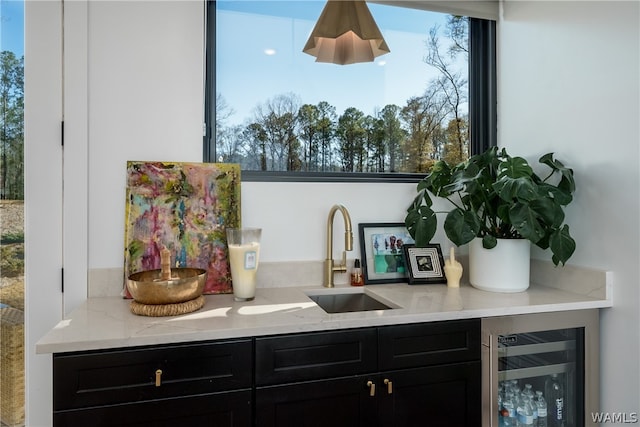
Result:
[425,265]
[382,258]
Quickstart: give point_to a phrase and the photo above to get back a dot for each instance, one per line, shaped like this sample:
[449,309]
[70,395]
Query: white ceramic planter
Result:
[504,268]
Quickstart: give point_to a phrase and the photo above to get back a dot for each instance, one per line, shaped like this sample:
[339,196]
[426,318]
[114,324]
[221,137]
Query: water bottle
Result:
[501,411]
[509,418]
[556,404]
[528,391]
[525,412]
[542,409]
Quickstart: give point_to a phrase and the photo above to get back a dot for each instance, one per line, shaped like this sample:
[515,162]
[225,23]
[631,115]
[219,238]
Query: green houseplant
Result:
[496,196]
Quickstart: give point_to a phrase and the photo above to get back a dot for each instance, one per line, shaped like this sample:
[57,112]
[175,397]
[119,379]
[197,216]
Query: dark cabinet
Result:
[442,395]
[228,409]
[336,402]
[189,384]
[402,375]
[409,375]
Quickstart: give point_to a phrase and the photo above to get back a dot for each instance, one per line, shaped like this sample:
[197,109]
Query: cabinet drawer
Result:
[229,409]
[129,375]
[423,344]
[315,355]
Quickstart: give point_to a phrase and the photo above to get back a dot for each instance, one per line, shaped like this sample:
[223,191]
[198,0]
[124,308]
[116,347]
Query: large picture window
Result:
[282,116]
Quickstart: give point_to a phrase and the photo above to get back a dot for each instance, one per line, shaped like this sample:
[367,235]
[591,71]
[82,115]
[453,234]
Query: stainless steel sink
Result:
[347,302]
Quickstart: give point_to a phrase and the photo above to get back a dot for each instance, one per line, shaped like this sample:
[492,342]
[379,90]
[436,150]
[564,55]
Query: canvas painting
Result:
[185,207]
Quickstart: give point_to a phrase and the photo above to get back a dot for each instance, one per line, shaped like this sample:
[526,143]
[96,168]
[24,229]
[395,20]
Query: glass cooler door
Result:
[541,378]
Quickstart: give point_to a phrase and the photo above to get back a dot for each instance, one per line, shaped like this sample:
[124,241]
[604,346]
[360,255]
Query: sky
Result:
[12,26]
[247,76]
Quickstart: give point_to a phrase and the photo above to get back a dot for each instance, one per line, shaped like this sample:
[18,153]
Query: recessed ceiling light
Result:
[270,52]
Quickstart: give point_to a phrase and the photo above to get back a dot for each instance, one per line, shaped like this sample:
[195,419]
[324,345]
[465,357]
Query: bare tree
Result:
[423,118]
[223,112]
[451,84]
[229,144]
[457,30]
[278,120]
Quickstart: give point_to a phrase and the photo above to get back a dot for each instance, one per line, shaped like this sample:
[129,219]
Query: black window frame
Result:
[482,107]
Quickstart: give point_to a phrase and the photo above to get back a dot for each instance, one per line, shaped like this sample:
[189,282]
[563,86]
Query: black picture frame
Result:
[382,258]
[425,265]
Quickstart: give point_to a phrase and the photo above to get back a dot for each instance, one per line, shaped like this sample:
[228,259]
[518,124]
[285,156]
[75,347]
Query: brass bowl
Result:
[146,287]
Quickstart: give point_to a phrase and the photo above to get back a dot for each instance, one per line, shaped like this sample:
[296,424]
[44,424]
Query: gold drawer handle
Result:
[158,377]
[389,385]
[372,388]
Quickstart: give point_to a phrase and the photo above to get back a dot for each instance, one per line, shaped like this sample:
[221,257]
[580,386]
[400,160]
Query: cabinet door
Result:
[232,409]
[444,395]
[98,378]
[340,402]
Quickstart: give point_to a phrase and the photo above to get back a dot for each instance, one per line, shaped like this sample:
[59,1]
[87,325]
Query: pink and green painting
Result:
[185,207]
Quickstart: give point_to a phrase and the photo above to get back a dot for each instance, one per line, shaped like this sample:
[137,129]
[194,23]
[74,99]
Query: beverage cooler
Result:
[540,370]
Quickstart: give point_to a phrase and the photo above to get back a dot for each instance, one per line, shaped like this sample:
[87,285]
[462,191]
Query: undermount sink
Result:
[347,302]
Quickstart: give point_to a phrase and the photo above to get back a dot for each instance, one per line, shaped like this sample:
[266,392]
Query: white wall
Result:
[568,82]
[43,198]
[146,62]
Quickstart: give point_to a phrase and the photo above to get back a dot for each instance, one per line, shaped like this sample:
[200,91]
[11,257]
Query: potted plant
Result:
[497,198]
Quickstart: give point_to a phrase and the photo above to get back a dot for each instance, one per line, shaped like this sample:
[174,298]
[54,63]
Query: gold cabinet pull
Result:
[389,385]
[372,388]
[158,377]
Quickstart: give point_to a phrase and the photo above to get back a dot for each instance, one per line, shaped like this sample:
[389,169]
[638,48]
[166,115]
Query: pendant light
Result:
[345,34]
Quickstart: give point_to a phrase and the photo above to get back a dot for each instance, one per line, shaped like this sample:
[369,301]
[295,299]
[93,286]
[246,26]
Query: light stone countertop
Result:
[107,322]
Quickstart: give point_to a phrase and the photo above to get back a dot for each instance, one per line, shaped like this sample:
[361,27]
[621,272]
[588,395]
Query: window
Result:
[12,409]
[283,116]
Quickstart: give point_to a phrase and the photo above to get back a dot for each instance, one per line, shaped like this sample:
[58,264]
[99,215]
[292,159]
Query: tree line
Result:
[285,134]
[11,126]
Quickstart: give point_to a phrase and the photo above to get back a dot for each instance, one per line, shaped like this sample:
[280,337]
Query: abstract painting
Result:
[185,207]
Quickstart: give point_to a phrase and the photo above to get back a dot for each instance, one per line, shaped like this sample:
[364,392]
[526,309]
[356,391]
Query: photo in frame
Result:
[425,265]
[381,252]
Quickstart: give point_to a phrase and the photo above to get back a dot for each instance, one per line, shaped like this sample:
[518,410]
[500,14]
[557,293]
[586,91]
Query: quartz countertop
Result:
[107,322]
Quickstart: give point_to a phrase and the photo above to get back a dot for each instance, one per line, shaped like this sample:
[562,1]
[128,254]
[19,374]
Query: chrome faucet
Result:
[329,267]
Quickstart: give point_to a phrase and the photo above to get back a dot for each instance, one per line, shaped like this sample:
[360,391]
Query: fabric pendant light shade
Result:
[345,34]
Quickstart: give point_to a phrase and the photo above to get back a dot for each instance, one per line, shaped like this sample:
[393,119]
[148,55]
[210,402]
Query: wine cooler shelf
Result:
[537,378]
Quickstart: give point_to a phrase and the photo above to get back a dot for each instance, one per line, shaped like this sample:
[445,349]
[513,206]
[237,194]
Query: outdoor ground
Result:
[11,294]
[12,253]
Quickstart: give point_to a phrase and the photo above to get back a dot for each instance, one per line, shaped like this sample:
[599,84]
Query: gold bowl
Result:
[185,284]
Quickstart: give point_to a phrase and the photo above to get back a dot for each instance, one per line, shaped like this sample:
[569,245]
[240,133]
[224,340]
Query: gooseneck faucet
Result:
[329,267]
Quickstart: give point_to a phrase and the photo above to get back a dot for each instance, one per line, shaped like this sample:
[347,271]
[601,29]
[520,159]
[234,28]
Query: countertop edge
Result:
[294,314]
